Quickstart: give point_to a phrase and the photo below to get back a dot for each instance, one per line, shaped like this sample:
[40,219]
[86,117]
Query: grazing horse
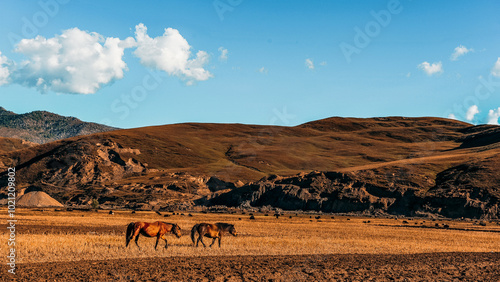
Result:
[214,231]
[156,229]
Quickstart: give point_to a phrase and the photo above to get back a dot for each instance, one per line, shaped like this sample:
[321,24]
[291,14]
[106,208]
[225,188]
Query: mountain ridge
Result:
[395,165]
[43,126]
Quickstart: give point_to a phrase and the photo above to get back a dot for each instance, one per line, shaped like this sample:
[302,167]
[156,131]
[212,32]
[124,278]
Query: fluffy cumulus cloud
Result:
[430,69]
[471,112]
[459,52]
[496,69]
[172,54]
[452,116]
[309,64]
[75,61]
[493,116]
[223,54]
[263,70]
[4,69]
[82,62]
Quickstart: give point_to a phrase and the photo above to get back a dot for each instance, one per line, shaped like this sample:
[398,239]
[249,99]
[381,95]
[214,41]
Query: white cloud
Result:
[74,62]
[496,68]
[263,70]
[4,70]
[460,51]
[223,54]
[431,69]
[323,63]
[493,116]
[408,74]
[471,112]
[452,116]
[82,62]
[309,64]
[171,53]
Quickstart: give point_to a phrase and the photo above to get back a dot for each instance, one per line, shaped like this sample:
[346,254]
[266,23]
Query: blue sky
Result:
[288,62]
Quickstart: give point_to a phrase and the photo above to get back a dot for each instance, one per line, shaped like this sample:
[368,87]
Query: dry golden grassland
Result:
[50,235]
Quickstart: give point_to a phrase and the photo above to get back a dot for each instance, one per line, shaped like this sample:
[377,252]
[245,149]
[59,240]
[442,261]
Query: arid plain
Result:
[58,244]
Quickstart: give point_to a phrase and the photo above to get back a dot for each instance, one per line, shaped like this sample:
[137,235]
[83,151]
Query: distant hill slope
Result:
[42,127]
[12,144]
[397,165]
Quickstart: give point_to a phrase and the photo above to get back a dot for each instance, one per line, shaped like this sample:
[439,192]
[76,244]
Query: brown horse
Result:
[157,229]
[214,231]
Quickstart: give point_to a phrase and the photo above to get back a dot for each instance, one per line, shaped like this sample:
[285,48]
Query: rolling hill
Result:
[412,166]
[12,144]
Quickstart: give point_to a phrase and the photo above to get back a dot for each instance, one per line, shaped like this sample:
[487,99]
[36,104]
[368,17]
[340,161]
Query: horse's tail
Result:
[129,234]
[193,230]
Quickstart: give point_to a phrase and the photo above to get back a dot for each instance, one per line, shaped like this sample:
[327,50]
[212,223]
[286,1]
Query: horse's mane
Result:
[173,224]
[223,225]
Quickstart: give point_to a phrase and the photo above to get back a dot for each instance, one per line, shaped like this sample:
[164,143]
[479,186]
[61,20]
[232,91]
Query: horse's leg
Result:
[197,241]
[137,239]
[166,243]
[213,241]
[157,239]
[200,239]
[219,240]
[130,239]
[135,234]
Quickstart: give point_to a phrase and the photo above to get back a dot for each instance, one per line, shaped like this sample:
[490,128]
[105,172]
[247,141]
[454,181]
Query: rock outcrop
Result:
[342,193]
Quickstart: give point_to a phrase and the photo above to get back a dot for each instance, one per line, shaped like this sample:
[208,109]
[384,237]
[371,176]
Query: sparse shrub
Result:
[95,204]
